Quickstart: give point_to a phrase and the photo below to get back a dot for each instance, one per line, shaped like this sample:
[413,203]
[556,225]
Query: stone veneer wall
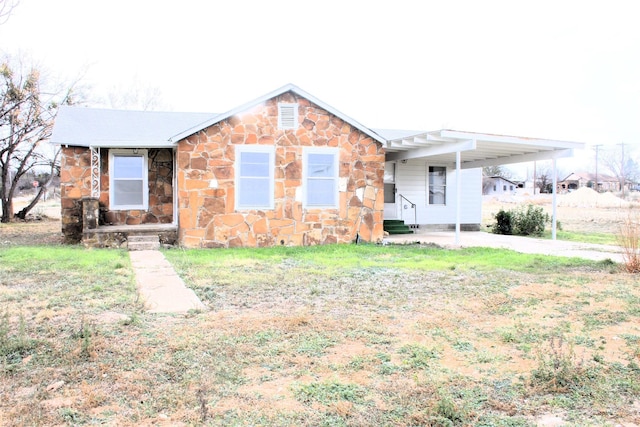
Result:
[206,190]
[75,185]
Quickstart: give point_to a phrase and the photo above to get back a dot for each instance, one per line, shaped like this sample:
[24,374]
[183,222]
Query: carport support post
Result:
[458,190]
[554,202]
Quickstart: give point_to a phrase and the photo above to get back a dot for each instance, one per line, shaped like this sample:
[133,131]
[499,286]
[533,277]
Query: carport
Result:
[461,151]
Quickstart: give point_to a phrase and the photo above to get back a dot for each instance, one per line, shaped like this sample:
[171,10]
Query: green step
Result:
[407,231]
[396,226]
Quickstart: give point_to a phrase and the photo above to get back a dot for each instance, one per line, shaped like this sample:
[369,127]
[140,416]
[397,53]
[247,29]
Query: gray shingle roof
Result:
[86,127]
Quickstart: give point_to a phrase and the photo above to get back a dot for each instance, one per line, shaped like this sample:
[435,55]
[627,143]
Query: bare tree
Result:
[543,176]
[618,160]
[498,170]
[138,96]
[6,7]
[27,114]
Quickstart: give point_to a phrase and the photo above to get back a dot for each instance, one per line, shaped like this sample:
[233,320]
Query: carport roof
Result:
[476,149]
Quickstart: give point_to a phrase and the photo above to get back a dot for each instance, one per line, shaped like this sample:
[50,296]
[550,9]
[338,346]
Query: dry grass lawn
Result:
[323,336]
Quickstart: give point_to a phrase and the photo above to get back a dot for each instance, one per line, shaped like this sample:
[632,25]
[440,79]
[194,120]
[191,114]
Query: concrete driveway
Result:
[528,245]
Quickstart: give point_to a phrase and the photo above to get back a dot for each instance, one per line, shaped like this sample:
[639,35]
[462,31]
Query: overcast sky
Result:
[567,70]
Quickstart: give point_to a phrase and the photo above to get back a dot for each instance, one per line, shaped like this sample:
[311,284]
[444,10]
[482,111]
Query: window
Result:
[321,178]
[254,177]
[128,186]
[504,188]
[389,172]
[389,182]
[287,116]
[437,185]
[389,193]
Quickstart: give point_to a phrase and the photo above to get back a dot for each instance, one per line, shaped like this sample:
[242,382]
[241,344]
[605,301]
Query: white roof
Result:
[84,127]
[476,149]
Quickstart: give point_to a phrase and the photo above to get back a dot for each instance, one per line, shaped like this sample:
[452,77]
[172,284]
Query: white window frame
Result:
[145,178]
[336,176]
[429,185]
[238,178]
[287,115]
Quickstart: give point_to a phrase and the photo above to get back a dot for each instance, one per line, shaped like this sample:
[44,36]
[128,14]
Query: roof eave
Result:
[118,144]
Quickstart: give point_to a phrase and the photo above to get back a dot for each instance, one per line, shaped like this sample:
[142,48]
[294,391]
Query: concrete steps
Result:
[143,242]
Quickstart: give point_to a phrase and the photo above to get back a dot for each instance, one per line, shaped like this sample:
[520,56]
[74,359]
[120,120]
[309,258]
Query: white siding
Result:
[412,182]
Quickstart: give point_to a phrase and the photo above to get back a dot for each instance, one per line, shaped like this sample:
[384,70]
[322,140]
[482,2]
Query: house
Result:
[577,180]
[284,169]
[496,185]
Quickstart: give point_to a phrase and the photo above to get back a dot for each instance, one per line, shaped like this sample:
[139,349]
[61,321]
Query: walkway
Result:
[160,288]
[521,244]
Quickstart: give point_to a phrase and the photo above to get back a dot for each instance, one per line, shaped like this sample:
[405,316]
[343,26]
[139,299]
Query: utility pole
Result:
[623,179]
[597,147]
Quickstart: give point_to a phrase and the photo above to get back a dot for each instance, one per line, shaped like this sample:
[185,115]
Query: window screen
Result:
[128,181]
[255,179]
[322,179]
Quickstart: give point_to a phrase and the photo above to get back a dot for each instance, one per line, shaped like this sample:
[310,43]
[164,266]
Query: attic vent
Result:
[287,116]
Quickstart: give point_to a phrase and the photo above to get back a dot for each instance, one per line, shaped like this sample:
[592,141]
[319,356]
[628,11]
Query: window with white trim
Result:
[321,177]
[128,180]
[254,177]
[287,115]
[437,185]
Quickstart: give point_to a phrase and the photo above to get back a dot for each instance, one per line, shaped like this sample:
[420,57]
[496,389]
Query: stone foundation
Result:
[117,237]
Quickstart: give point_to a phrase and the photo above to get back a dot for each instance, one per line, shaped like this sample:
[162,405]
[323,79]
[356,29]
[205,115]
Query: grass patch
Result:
[593,238]
[329,392]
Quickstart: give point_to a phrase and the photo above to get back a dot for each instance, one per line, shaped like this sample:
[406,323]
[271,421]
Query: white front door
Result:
[390,206]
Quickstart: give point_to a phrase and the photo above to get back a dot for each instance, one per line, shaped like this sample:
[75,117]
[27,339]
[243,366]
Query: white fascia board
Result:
[511,139]
[130,144]
[522,158]
[432,151]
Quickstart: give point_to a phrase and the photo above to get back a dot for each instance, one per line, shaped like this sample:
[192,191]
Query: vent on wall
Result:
[287,116]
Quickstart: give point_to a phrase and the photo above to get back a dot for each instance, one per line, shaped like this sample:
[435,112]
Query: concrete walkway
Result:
[160,288]
[521,244]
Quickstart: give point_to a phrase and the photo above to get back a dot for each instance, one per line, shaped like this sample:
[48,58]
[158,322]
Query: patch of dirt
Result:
[46,231]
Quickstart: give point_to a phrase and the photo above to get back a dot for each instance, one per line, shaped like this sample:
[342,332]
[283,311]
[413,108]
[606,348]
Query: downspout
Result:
[458,190]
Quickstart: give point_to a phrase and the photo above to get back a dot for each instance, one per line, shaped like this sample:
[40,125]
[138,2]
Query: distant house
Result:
[577,180]
[283,169]
[497,185]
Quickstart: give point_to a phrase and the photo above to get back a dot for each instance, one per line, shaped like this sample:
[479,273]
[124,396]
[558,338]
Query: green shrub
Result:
[522,222]
[504,222]
[530,222]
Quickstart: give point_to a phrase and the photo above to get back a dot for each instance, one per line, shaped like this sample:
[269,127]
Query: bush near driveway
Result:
[520,221]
